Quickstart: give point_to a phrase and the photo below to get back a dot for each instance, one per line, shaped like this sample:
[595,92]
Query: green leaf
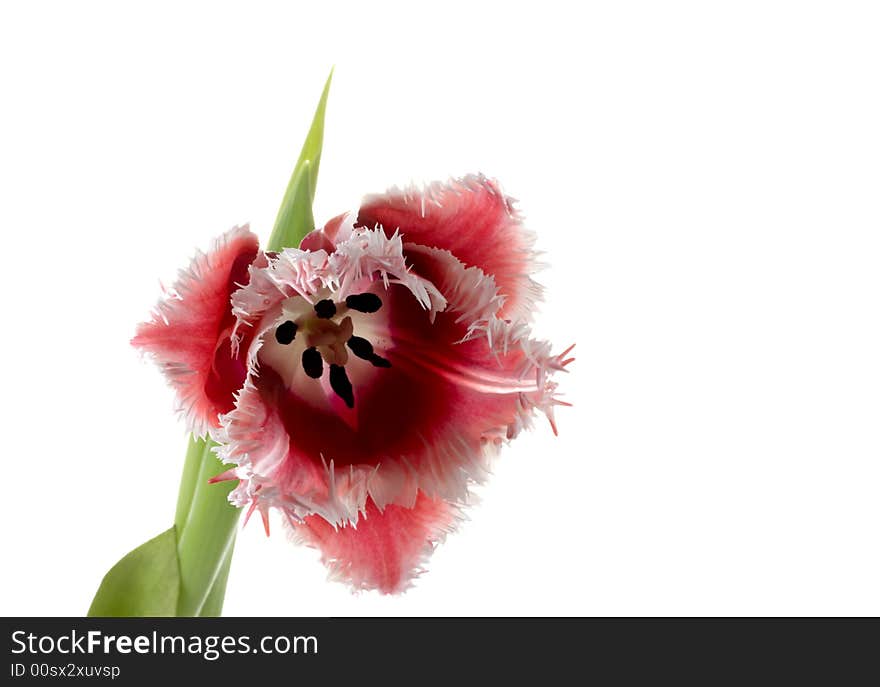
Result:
[295,218]
[146,582]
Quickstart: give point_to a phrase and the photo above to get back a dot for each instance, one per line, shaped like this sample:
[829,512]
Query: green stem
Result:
[206,537]
[213,607]
[191,466]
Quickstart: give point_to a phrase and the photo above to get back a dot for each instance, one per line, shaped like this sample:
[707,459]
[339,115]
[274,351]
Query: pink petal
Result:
[325,238]
[189,333]
[384,549]
[473,219]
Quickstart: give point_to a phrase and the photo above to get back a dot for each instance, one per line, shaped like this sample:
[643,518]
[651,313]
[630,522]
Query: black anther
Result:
[325,309]
[379,361]
[285,333]
[364,302]
[341,385]
[312,363]
[360,347]
[364,349]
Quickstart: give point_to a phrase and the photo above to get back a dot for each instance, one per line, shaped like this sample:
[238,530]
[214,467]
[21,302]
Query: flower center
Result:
[327,334]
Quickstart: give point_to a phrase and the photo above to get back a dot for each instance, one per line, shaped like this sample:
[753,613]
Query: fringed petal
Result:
[472,218]
[274,472]
[188,334]
[384,549]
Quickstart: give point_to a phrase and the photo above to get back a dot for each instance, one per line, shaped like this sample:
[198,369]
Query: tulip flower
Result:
[360,382]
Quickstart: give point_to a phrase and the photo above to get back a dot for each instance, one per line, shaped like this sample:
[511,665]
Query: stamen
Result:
[285,333]
[363,349]
[360,347]
[341,385]
[312,363]
[379,361]
[364,302]
[325,309]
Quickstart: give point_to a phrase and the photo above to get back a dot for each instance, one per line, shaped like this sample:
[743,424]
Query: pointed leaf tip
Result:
[295,218]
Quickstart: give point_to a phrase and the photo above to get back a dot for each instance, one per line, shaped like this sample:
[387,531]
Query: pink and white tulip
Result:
[359,384]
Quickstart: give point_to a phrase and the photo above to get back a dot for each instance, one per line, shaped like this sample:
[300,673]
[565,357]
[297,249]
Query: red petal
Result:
[472,219]
[189,332]
[386,548]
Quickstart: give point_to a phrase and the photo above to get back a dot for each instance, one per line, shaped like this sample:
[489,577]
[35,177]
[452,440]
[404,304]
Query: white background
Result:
[703,179]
